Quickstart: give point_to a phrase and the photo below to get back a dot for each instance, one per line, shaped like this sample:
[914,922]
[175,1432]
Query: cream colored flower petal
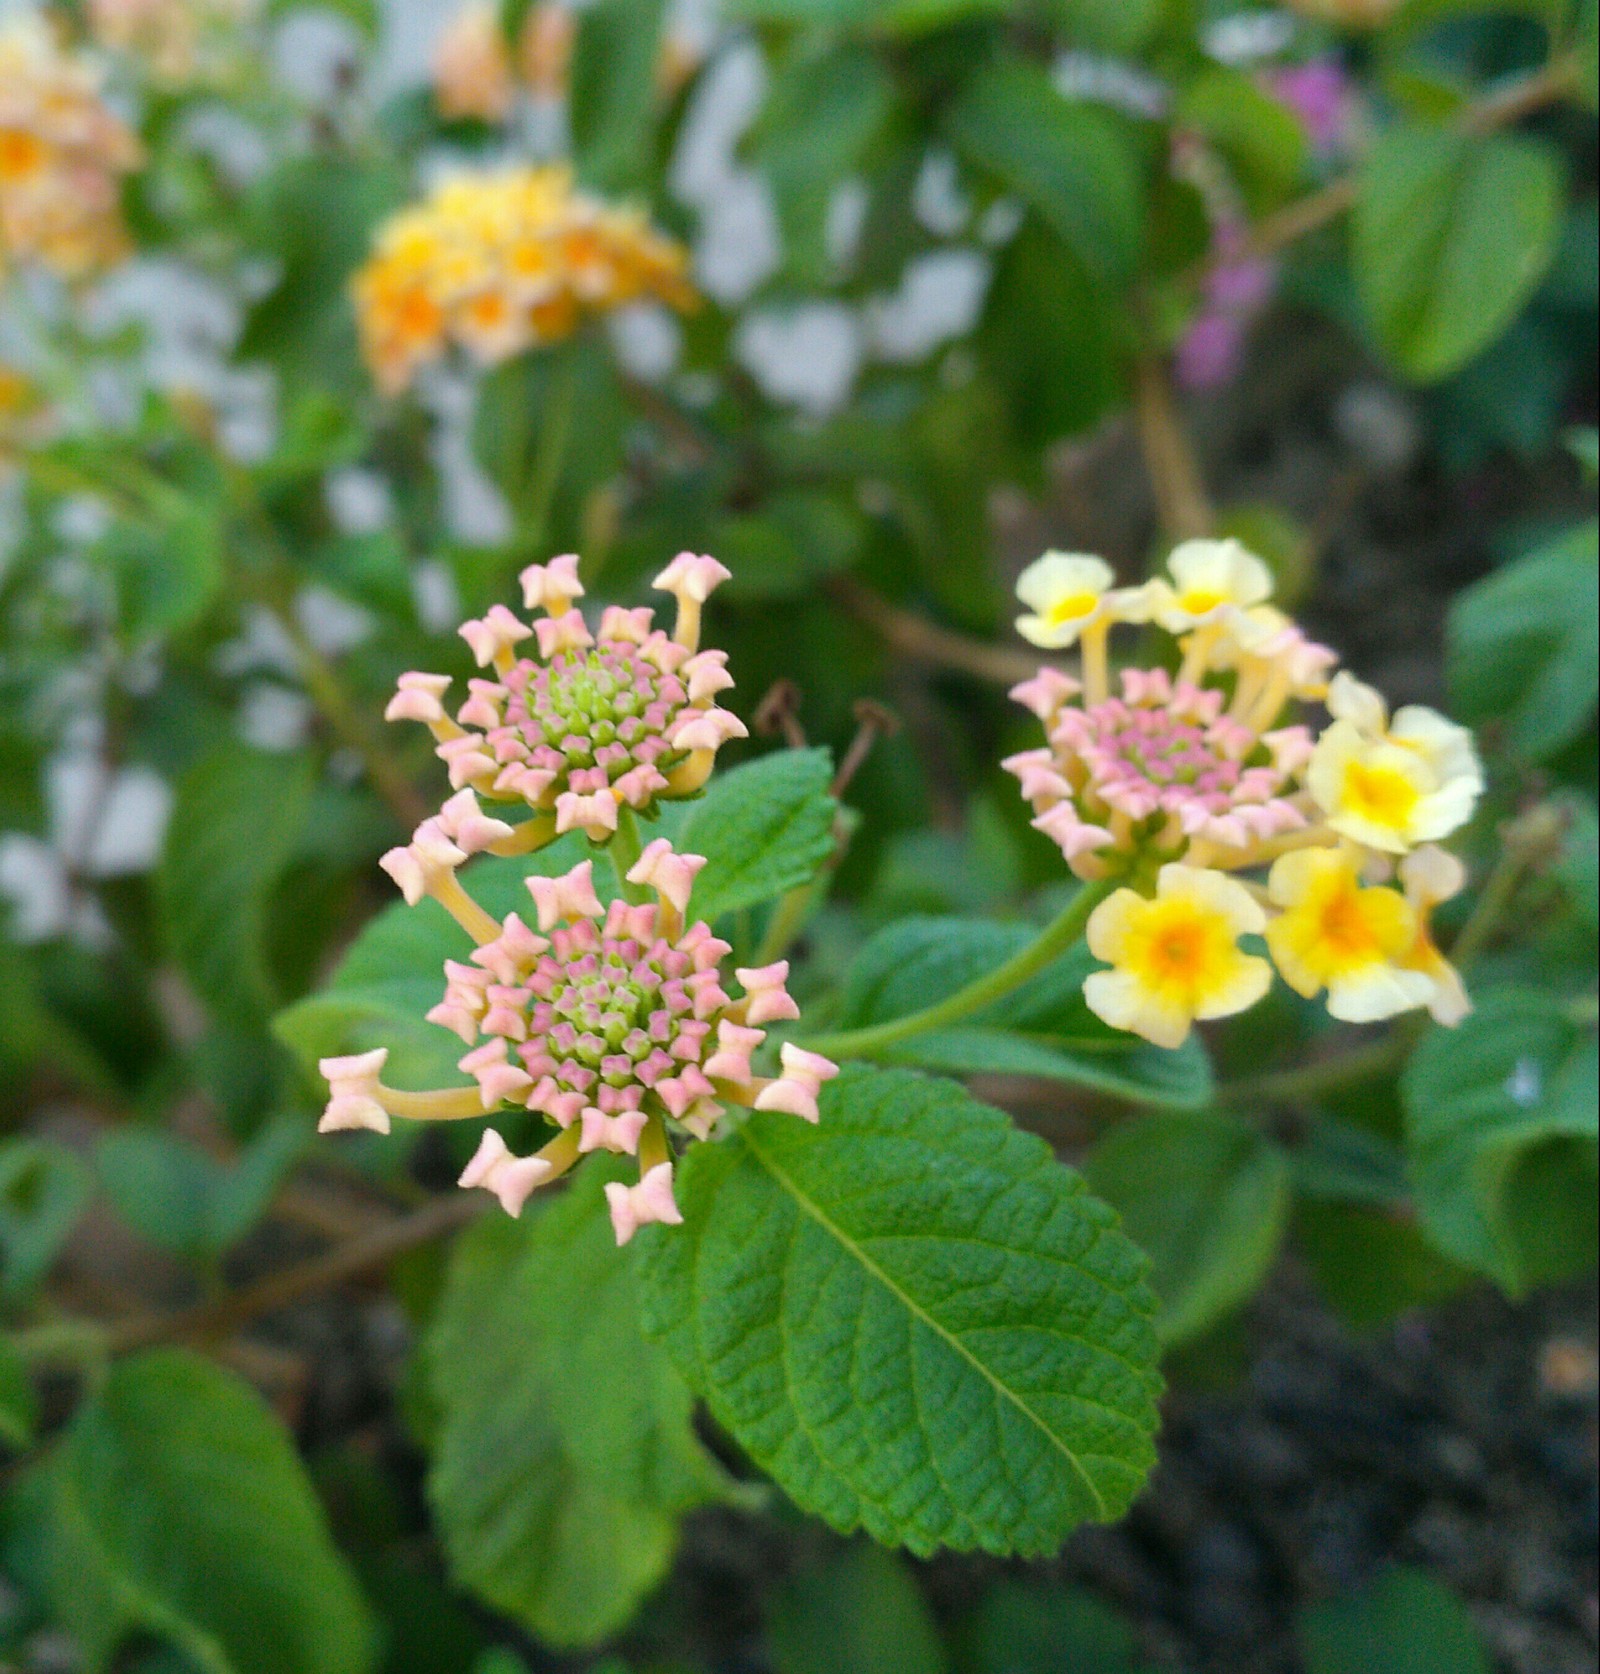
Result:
[1118,998]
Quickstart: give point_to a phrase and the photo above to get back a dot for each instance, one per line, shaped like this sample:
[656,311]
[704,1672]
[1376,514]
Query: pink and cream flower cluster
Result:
[613,1022]
[1186,778]
[620,717]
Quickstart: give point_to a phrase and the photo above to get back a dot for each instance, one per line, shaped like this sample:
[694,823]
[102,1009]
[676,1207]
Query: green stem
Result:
[534,504]
[63,1343]
[1053,941]
[626,847]
[1493,903]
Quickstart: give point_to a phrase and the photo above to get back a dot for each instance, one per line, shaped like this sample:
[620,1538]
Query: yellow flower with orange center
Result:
[1337,933]
[62,156]
[1175,958]
[498,263]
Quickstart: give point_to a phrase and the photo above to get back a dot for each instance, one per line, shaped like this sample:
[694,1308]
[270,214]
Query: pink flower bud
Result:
[670,875]
[567,632]
[353,1092]
[618,1133]
[650,1201]
[707,674]
[795,1091]
[511,1178]
[552,587]
[1046,692]
[569,897]
[417,698]
[709,731]
[731,1060]
[466,824]
[490,635]
[768,1001]
[692,576]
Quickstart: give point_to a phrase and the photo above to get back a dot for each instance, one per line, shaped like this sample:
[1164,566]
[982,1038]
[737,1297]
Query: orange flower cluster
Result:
[499,263]
[62,156]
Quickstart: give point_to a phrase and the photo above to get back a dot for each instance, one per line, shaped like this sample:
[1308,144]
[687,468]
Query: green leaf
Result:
[1501,1138]
[394,972]
[19,1405]
[181,1199]
[899,17]
[236,817]
[1372,1264]
[913,1318]
[1207,1198]
[1522,646]
[828,103]
[1259,136]
[1402,1623]
[1076,163]
[167,573]
[1579,866]
[179,1509]
[44,1189]
[613,92]
[764,828]
[565,1452]
[1452,234]
[1144,1074]
[1052,336]
[861,1611]
[1020,1629]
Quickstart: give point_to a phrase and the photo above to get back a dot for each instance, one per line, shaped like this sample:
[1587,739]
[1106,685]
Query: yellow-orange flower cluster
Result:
[1180,783]
[177,40]
[62,157]
[495,264]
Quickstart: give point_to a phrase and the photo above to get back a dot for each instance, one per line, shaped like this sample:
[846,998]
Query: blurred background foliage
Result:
[977,277]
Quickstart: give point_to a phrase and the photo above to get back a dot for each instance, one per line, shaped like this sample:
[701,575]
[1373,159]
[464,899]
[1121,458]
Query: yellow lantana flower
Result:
[1066,593]
[1175,958]
[1337,934]
[1431,876]
[1211,582]
[1392,785]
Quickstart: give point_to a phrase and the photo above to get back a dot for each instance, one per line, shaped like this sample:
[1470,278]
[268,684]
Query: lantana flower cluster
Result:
[501,262]
[1230,816]
[614,1021]
[622,716]
[178,41]
[63,154]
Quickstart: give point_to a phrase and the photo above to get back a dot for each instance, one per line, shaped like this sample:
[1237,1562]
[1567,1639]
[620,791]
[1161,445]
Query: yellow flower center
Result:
[21,153]
[1070,608]
[1182,950]
[1382,795]
[1348,934]
[1198,601]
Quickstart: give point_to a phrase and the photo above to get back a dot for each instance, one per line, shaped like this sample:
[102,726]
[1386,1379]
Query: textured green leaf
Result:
[394,972]
[236,817]
[913,1318]
[861,1611]
[1501,1138]
[1402,1623]
[565,1453]
[1076,163]
[1522,649]
[44,1188]
[764,829]
[1207,1198]
[178,1508]
[1452,234]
